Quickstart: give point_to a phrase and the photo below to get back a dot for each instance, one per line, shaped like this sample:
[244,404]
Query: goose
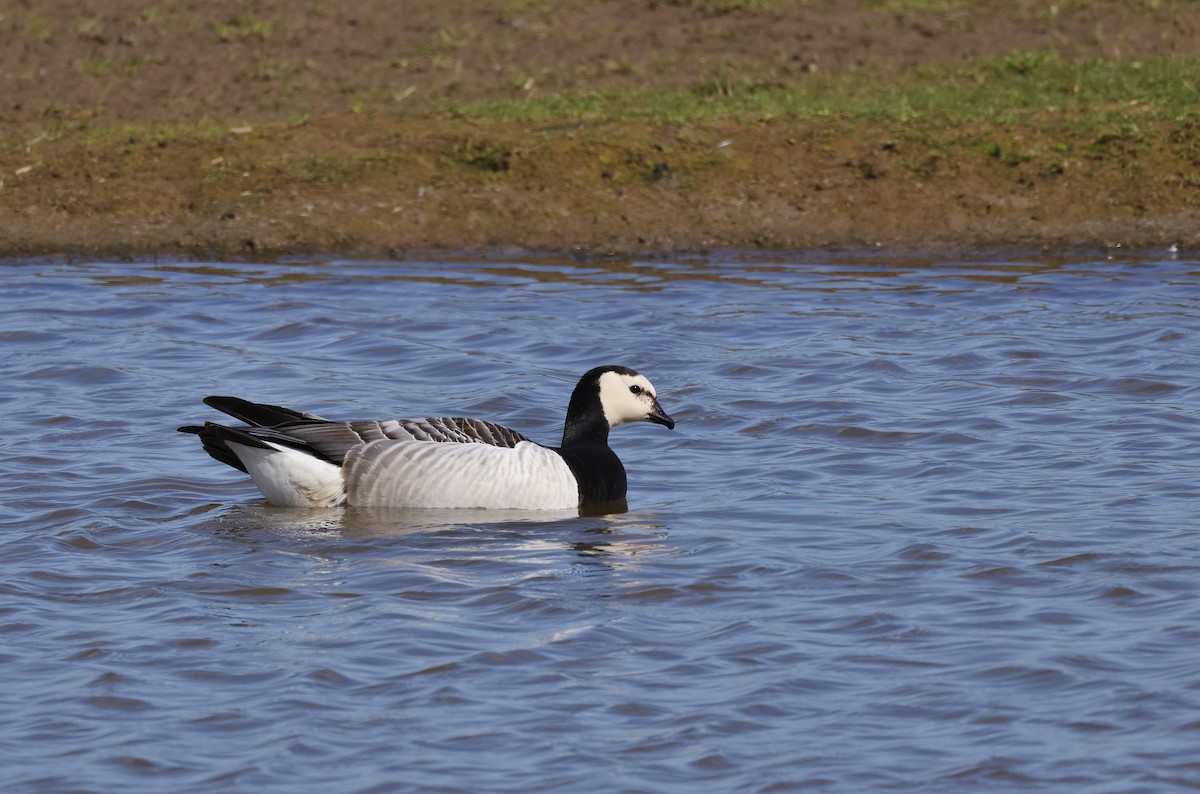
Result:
[301,460]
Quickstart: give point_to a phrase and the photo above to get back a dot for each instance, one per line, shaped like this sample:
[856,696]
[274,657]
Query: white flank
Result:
[291,478]
[445,475]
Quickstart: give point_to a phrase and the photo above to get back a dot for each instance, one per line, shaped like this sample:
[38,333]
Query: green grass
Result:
[1101,108]
[995,90]
[34,28]
[240,28]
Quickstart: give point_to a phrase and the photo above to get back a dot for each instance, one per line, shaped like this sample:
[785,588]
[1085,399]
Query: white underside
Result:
[291,478]
[416,474]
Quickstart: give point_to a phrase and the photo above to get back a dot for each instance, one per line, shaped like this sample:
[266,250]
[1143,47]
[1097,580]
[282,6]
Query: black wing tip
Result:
[257,414]
[220,401]
[214,439]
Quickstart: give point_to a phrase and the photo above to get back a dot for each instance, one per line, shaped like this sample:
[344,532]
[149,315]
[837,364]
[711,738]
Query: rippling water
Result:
[923,526]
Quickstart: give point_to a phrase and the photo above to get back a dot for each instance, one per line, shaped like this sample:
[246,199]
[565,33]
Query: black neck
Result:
[586,429]
[585,422]
[598,471]
[585,449]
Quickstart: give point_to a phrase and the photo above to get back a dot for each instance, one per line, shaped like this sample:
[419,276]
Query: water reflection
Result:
[555,537]
[831,271]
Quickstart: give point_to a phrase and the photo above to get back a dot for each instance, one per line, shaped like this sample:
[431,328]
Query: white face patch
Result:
[626,398]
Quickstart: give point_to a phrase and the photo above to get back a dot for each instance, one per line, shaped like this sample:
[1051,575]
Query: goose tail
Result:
[287,471]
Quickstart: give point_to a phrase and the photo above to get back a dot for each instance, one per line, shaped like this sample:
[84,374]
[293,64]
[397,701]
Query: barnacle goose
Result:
[301,460]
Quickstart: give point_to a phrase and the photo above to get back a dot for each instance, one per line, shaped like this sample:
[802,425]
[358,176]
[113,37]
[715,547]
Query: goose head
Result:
[609,396]
[627,396]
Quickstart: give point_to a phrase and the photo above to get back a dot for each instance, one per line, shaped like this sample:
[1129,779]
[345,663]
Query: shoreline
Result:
[375,186]
[473,127]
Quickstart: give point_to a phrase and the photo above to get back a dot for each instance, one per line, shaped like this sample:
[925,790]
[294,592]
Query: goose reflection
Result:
[610,541]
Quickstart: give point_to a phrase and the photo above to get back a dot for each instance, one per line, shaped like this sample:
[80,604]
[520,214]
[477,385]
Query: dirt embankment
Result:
[261,129]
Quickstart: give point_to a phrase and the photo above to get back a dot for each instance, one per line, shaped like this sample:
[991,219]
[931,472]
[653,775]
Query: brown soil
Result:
[326,135]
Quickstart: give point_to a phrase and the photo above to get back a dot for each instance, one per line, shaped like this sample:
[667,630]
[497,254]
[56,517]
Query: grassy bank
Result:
[999,90]
[1025,147]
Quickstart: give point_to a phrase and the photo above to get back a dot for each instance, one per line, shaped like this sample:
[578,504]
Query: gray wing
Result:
[334,439]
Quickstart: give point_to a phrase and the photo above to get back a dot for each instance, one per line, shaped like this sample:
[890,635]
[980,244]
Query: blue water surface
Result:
[923,526]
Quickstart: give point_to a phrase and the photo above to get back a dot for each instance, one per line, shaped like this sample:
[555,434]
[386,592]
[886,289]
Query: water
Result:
[923,526]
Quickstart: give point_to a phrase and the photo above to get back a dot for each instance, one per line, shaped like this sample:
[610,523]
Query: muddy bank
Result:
[386,186]
[247,130]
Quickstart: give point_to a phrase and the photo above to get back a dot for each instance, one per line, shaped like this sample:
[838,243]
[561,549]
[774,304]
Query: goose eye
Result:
[636,389]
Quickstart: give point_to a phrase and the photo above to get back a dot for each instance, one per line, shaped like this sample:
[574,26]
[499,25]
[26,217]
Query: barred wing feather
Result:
[440,428]
[333,440]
